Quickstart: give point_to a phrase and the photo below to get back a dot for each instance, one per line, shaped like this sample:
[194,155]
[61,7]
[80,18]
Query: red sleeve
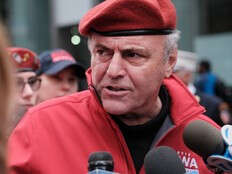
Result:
[20,148]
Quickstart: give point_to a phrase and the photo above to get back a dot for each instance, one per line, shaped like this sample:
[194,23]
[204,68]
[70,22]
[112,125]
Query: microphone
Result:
[203,139]
[163,160]
[100,163]
[209,143]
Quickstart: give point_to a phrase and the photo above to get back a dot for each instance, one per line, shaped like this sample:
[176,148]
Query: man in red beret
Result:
[27,83]
[133,103]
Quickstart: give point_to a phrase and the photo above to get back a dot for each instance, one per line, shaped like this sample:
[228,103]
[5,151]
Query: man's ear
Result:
[171,62]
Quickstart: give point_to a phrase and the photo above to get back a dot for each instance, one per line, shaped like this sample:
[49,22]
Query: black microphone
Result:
[100,162]
[207,141]
[163,160]
[203,139]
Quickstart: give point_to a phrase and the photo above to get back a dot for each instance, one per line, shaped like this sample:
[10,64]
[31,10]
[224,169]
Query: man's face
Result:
[27,85]
[127,72]
[26,96]
[63,83]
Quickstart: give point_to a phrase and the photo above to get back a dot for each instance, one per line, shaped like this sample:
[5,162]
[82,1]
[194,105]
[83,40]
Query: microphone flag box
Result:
[99,171]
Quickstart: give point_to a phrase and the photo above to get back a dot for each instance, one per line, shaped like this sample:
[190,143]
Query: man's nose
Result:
[27,91]
[116,67]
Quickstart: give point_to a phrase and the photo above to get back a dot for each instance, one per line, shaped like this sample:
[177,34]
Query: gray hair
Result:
[171,43]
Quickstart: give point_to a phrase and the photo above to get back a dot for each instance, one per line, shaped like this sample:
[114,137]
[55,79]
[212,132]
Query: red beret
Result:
[24,59]
[130,17]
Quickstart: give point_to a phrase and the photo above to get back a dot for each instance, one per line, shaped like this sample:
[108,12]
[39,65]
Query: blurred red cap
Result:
[24,59]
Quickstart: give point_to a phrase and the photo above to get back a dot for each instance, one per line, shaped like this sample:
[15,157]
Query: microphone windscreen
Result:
[100,156]
[203,138]
[163,160]
[101,160]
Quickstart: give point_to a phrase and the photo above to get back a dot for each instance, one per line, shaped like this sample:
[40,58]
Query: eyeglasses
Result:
[34,83]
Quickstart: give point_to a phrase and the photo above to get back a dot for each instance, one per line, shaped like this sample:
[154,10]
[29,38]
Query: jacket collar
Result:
[183,104]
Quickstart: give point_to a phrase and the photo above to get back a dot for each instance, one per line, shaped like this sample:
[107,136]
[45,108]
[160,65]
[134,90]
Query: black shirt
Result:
[139,138]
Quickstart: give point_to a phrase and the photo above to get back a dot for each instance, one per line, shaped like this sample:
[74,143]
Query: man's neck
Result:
[133,119]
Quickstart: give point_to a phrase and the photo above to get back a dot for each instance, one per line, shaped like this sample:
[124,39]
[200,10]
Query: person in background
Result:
[27,82]
[6,96]
[60,74]
[205,80]
[134,102]
[185,69]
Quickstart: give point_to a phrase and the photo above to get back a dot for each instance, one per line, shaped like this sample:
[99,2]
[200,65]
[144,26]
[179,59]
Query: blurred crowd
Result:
[53,73]
[210,90]
[28,79]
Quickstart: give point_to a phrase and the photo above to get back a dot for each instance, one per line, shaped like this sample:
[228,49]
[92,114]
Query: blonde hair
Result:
[5,96]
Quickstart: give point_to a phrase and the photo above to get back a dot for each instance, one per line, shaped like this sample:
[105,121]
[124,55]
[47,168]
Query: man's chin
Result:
[115,108]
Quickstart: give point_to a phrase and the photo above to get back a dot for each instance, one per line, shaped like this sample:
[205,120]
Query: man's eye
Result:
[131,54]
[72,80]
[56,78]
[100,52]
[32,80]
[19,82]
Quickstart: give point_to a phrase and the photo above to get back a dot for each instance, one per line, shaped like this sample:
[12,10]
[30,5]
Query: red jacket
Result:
[57,136]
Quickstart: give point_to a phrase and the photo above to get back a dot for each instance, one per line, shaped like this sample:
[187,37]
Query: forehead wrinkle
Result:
[140,43]
[105,44]
[100,45]
[133,48]
[121,45]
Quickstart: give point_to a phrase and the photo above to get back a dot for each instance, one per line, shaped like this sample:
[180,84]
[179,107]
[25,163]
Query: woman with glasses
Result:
[27,83]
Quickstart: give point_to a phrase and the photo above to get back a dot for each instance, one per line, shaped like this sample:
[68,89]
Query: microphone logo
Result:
[190,163]
[226,132]
[223,161]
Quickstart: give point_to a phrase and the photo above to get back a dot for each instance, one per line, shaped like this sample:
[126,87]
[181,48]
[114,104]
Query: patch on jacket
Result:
[190,163]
